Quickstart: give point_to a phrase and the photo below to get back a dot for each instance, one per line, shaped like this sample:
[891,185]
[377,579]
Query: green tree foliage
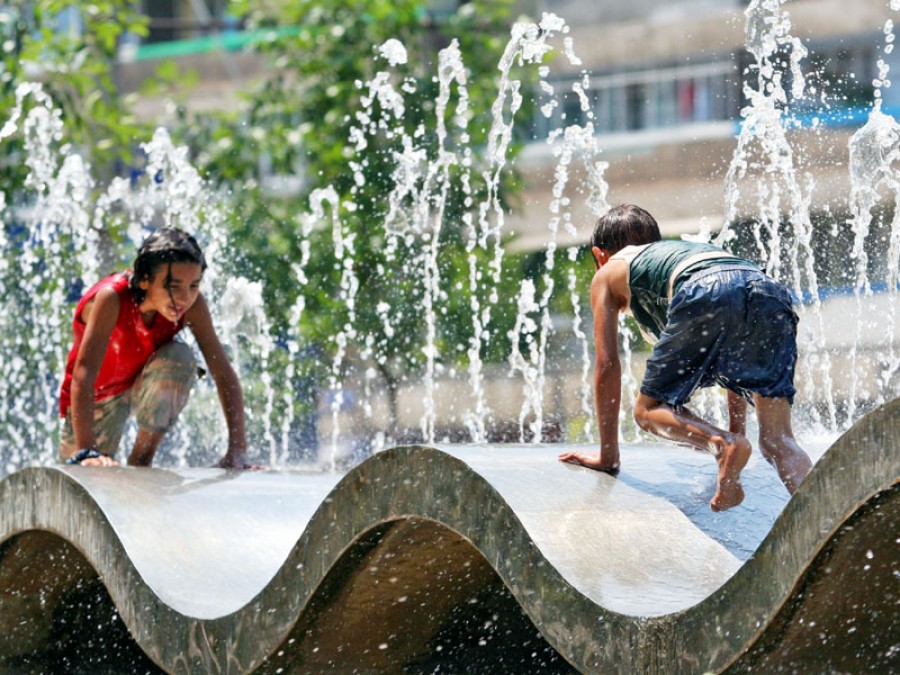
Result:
[300,123]
[70,47]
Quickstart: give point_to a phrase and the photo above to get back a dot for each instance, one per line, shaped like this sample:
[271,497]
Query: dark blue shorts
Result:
[730,327]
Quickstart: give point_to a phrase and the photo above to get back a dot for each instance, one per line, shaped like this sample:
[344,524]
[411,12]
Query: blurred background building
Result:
[666,83]
[666,87]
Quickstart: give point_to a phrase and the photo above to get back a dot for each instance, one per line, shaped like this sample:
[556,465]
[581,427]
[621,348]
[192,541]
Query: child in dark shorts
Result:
[728,327]
[714,319]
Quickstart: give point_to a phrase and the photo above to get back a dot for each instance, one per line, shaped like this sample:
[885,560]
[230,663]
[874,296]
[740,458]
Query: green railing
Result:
[230,41]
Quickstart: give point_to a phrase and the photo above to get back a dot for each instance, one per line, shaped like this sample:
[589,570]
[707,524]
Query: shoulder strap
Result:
[628,253]
[690,260]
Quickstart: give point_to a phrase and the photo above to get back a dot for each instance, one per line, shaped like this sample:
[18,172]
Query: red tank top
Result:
[131,343]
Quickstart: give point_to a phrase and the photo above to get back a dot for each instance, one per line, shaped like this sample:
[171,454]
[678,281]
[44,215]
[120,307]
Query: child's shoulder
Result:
[114,284]
[117,281]
[611,282]
[105,299]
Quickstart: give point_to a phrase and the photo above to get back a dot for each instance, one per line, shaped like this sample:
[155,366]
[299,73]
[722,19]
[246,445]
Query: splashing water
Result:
[415,206]
[53,232]
[344,241]
[530,44]
[244,325]
[531,365]
[782,228]
[874,153]
[61,235]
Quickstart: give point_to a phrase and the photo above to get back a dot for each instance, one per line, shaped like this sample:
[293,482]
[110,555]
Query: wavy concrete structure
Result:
[456,559]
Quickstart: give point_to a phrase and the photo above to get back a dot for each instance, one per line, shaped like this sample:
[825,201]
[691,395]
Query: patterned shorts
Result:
[157,398]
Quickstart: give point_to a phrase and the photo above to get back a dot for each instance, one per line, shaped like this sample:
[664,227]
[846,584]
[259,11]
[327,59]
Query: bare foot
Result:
[590,462]
[732,459]
[237,461]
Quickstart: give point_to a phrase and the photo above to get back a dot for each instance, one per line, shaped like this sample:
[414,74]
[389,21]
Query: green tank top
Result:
[656,271]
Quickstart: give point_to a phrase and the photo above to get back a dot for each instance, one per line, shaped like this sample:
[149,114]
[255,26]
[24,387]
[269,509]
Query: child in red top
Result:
[124,358]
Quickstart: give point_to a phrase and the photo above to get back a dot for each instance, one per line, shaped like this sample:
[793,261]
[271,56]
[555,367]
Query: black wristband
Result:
[83,454]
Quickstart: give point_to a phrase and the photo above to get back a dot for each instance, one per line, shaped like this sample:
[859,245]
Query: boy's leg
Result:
[737,413]
[158,397]
[777,442]
[731,450]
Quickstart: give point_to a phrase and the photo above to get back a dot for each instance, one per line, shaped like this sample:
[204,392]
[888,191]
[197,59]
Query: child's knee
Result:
[176,352]
[164,387]
[173,366]
[158,408]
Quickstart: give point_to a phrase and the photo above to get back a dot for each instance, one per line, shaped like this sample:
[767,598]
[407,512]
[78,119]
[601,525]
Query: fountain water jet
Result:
[414,223]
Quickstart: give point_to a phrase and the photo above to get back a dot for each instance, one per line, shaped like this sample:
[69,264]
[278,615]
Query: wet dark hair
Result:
[624,225]
[168,245]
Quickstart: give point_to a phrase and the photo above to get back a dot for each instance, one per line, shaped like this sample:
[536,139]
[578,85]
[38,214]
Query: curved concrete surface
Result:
[457,559]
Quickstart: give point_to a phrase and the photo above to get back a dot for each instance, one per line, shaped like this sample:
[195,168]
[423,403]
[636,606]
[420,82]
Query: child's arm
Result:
[99,316]
[228,386]
[605,304]
[607,376]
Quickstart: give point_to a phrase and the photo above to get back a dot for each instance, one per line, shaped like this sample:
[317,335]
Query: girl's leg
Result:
[158,397]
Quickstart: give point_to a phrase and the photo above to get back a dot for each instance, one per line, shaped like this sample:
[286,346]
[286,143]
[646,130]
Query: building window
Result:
[650,99]
[185,19]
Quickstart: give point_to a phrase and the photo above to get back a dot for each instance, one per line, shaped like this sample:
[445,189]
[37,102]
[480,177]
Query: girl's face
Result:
[173,295]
